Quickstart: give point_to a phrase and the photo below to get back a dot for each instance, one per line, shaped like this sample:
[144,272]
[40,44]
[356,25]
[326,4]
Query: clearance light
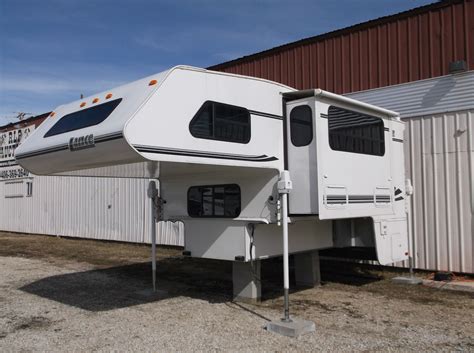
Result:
[83,104]
[52,114]
[95,100]
[152,82]
[108,96]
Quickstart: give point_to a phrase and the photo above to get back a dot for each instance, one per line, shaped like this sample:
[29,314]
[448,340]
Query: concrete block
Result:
[294,328]
[307,269]
[247,286]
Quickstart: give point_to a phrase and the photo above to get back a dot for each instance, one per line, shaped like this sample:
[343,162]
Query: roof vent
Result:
[457,66]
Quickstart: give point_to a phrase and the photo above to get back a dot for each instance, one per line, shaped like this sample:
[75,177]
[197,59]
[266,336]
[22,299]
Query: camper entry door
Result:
[301,154]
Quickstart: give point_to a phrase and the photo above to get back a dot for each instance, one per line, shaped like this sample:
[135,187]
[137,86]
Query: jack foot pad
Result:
[407,280]
[294,328]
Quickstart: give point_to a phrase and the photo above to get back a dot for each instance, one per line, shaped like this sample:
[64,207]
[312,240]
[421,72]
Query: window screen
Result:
[214,201]
[301,125]
[355,132]
[223,122]
[83,118]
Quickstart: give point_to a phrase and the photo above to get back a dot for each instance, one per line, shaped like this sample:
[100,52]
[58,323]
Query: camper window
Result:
[301,125]
[223,122]
[355,132]
[83,118]
[214,201]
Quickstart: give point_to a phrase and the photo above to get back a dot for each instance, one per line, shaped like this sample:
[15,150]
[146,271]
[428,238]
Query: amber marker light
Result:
[52,114]
[95,100]
[152,82]
[108,96]
[82,104]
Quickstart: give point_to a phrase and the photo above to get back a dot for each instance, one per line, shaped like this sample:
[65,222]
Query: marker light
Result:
[52,114]
[108,96]
[95,100]
[82,104]
[152,82]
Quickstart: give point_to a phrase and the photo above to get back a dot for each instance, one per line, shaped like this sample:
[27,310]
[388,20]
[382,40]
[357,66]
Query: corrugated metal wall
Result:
[410,46]
[439,152]
[97,208]
[440,157]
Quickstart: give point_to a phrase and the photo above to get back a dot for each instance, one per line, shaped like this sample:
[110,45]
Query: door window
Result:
[301,125]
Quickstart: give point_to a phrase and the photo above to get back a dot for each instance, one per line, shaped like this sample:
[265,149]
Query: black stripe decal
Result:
[397,140]
[42,151]
[204,154]
[108,137]
[265,115]
[63,147]
[8,164]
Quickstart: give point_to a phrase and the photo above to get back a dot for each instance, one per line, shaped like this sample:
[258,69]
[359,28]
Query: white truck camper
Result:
[235,158]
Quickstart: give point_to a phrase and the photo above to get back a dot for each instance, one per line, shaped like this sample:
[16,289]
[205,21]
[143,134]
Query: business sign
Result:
[9,141]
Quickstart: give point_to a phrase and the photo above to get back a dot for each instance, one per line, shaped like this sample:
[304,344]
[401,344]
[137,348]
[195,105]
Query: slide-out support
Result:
[246,281]
[307,269]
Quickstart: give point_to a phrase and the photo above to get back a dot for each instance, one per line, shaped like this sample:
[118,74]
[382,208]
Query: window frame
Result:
[382,130]
[303,106]
[204,106]
[50,132]
[213,186]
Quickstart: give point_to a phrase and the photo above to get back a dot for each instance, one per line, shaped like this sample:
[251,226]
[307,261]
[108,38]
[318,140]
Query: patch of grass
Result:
[95,252]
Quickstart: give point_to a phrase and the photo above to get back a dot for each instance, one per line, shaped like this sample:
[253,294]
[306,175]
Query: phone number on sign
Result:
[14,174]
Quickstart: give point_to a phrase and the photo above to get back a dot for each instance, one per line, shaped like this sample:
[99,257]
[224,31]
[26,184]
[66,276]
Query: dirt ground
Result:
[59,294]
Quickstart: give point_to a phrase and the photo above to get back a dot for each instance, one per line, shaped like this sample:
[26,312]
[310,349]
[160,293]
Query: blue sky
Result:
[51,51]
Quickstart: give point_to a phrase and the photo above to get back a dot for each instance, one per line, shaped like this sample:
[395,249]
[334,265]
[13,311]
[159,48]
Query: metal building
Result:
[96,208]
[439,152]
[409,46]
[422,58]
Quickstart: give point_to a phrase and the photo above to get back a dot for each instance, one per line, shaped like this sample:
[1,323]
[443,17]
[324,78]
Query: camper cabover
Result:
[236,157]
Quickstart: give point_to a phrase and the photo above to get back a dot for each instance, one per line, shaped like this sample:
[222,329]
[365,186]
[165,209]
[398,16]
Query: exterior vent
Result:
[457,66]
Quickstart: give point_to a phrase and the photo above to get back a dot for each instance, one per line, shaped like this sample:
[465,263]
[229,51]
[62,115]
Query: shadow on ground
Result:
[129,285]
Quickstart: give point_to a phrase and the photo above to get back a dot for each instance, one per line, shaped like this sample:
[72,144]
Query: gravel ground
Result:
[56,301]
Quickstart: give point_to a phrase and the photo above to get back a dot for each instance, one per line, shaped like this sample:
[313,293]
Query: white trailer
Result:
[219,144]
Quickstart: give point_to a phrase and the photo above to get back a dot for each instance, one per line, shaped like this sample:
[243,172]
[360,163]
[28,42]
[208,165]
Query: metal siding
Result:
[439,160]
[411,46]
[441,94]
[439,154]
[96,208]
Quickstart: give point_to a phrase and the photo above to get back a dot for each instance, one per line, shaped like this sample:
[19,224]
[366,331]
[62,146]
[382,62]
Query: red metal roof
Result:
[408,46]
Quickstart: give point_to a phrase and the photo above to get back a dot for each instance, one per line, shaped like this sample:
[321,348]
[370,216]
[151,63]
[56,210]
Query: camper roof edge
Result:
[325,94]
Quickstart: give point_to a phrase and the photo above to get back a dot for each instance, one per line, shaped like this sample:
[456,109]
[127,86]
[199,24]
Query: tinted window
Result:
[301,125]
[214,201]
[83,118]
[355,132]
[223,122]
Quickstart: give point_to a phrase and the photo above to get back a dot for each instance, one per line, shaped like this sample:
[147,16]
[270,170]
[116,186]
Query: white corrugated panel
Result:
[98,208]
[419,98]
[439,160]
